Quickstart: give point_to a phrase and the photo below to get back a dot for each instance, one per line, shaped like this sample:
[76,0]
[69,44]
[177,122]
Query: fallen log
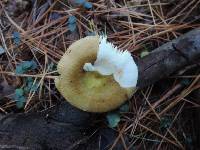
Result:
[169,58]
[65,127]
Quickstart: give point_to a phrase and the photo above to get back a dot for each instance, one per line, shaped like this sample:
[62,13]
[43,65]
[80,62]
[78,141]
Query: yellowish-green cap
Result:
[88,91]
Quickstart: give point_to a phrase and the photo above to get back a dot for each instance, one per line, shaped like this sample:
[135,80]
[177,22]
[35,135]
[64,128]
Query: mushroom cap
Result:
[88,91]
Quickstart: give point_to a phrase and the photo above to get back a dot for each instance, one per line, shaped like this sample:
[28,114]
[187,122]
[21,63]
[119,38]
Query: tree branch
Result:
[169,58]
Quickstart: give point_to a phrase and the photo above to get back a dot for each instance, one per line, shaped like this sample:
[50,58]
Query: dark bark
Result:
[58,127]
[169,58]
[196,119]
[65,127]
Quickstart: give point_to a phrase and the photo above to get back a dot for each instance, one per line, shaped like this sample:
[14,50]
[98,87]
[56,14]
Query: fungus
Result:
[95,76]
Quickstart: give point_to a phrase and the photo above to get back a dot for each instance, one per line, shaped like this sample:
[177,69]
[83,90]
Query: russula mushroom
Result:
[95,76]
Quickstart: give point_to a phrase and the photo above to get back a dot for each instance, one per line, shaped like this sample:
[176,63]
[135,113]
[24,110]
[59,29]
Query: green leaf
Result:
[28,79]
[185,81]
[30,87]
[25,66]
[19,92]
[144,53]
[33,64]
[72,23]
[16,38]
[124,108]
[52,66]
[72,27]
[19,98]
[19,70]
[20,104]
[113,119]
[87,5]
[34,87]
[80,2]
[165,123]
[2,50]
[72,20]
[29,65]
[27,89]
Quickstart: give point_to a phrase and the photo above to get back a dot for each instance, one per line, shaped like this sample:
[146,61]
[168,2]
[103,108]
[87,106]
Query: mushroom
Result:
[95,76]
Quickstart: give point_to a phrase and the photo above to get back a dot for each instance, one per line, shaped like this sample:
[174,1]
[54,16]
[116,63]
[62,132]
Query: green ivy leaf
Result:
[124,108]
[185,82]
[19,92]
[87,5]
[52,66]
[34,88]
[20,104]
[113,119]
[84,3]
[19,70]
[71,23]
[165,123]
[72,27]
[28,79]
[25,66]
[30,86]
[16,38]
[29,65]
[2,50]
[80,2]
[20,98]
[72,20]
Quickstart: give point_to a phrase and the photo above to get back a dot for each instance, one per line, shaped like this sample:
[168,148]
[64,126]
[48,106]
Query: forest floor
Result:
[34,34]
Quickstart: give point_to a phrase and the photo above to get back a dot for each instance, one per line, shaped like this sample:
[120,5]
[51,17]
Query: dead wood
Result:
[169,58]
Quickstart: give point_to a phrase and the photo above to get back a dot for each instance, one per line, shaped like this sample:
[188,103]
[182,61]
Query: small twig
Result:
[14,147]
[28,75]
